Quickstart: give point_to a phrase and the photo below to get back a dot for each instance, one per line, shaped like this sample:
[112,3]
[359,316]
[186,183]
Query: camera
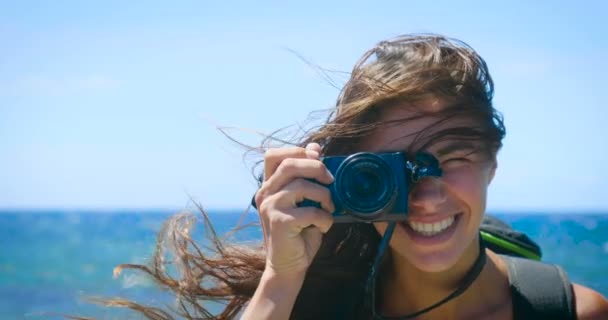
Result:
[372,187]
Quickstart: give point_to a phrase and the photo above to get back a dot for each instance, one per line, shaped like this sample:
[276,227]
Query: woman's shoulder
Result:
[590,304]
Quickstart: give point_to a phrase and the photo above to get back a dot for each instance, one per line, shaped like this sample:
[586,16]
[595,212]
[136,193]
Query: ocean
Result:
[51,260]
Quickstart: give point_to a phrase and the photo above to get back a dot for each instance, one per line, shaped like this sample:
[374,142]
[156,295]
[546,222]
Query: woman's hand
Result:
[293,234]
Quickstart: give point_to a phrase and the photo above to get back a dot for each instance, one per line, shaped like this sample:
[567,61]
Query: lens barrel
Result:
[366,185]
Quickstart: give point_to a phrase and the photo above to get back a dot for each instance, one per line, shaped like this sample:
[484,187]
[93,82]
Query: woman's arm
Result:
[590,305]
[274,297]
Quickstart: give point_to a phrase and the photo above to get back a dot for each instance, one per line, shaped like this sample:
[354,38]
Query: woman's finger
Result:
[291,169]
[309,216]
[294,193]
[275,211]
[314,147]
[274,157]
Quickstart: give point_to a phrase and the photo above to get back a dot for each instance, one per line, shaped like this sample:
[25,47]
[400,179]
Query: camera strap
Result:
[370,287]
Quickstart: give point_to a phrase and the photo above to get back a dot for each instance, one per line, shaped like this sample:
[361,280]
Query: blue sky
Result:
[113,104]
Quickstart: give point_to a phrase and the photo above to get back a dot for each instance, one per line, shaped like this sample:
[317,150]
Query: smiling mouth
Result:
[431,229]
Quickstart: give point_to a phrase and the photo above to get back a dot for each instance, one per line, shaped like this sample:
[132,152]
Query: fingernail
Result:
[312,154]
[312,145]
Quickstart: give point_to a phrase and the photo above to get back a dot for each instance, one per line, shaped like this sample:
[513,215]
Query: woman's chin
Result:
[431,263]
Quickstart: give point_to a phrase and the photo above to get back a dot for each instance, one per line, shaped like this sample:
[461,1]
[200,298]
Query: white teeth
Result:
[437,226]
[431,229]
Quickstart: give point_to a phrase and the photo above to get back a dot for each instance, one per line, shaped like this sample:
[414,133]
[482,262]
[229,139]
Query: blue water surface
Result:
[50,260]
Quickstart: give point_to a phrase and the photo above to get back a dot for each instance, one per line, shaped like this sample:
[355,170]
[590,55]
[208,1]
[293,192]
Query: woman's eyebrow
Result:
[455,146]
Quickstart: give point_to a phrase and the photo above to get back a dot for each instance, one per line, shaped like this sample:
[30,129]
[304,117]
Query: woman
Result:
[416,94]
[420,93]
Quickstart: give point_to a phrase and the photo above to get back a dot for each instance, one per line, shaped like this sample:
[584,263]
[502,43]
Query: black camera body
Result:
[372,187]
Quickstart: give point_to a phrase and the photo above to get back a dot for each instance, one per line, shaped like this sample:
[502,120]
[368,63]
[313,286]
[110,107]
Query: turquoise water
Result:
[49,260]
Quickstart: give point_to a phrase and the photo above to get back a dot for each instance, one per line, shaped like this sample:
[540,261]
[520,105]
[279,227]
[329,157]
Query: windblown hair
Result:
[396,73]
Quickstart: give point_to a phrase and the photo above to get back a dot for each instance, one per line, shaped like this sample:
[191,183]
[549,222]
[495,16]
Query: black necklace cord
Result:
[370,288]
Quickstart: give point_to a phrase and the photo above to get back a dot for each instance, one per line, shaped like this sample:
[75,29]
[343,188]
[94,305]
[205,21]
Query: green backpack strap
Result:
[539,290]
[502,239]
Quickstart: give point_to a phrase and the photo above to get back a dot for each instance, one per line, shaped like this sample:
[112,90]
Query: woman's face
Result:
[444,213]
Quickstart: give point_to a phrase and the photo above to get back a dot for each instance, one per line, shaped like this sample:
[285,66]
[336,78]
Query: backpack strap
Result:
[539,290]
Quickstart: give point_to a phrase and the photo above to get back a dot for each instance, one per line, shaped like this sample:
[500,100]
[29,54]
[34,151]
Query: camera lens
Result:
[365,185]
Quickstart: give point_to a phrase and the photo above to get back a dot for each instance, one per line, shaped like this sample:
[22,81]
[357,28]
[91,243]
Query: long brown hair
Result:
[396,72]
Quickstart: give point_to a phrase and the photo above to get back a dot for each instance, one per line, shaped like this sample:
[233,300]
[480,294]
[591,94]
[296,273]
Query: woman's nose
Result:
[427,195]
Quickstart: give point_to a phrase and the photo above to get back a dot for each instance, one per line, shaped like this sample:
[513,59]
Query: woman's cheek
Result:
[468,183]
